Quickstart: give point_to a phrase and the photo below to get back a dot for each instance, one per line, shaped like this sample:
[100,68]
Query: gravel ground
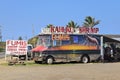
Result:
[75,71]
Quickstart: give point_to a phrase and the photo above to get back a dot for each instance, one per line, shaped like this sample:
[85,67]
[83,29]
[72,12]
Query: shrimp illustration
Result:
[91,41]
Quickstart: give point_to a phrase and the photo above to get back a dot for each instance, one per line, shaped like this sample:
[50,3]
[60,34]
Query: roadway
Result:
[2,55]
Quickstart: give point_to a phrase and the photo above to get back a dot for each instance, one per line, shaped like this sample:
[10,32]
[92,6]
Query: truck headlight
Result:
[40,55]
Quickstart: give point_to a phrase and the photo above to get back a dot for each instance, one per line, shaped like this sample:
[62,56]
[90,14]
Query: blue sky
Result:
[21,17]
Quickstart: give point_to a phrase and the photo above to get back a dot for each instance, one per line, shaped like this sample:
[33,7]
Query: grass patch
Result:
[32,63]
[26,63]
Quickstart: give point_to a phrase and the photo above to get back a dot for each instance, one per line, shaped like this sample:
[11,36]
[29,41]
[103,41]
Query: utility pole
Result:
[0,33]
[33,30]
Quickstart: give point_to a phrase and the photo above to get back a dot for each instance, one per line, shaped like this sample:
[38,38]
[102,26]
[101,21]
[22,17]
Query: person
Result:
[108,55]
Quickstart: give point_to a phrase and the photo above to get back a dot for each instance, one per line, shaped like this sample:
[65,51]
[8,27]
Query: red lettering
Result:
[82,30]
[60,37]
[8,42]
[62,29]
[57,29]
[68,29]
[52,29]
[88,30]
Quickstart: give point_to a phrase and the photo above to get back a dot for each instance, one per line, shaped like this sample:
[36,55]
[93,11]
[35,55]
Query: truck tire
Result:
[37,62]
[49,60]
[85,59]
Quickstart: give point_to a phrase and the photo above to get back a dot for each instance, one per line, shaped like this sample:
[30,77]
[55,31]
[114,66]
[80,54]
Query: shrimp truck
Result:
[66,45]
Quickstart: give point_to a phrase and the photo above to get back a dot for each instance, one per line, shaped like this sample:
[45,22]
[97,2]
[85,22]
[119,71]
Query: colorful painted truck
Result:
[82,44]
[74,47]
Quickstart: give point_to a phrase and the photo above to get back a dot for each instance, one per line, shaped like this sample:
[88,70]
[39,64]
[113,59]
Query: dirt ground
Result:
[72,71]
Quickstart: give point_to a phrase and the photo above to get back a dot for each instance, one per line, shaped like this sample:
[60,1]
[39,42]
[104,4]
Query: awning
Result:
[107,39]
[39,48]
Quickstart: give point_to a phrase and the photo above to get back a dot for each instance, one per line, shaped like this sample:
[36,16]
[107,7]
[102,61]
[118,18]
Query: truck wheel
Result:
[49,60]
[37,62]
[85,59]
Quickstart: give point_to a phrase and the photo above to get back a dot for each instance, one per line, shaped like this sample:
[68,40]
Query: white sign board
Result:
[16,47]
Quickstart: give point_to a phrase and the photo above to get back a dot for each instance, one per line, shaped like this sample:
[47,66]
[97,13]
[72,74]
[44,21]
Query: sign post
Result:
[101,51]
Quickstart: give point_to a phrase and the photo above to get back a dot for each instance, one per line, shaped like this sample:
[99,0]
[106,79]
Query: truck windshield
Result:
[44,41]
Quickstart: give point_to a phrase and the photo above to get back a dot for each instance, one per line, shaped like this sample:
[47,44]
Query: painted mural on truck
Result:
[70,42]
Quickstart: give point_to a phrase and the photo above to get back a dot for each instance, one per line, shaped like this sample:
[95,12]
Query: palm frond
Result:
[90,22]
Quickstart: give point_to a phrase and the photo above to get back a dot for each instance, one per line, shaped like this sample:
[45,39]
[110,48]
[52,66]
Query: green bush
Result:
[2,49]
[2,46]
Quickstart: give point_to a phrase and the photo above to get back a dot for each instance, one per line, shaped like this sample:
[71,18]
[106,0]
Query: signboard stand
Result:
[16,48]
[101,52]
[26,57]
[5,57]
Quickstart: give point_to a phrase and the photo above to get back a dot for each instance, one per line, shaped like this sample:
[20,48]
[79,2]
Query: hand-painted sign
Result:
[70,30]
[60,37]
[16,47]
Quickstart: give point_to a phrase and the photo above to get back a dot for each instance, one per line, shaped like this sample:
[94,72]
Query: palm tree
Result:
[72,24]
[49,25]
[90,22]
[20,38]
[33,41]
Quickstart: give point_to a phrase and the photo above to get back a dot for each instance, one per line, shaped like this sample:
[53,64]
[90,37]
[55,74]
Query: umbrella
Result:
[39,48]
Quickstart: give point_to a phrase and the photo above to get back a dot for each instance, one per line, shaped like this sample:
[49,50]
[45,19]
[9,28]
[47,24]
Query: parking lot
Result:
[71,71]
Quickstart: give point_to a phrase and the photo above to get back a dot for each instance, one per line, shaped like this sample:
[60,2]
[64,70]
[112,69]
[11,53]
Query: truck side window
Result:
[56,42]
[44,41]
[74,39]
[64,42]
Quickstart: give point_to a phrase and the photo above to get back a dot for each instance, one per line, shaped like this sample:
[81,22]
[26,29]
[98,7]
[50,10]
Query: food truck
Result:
[82,44]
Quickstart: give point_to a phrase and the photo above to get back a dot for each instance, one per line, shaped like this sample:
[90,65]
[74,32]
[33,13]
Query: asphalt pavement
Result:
[2,55]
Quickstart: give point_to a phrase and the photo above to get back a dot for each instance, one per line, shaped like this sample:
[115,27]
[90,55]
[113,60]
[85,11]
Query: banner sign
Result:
[70,30]
[16,47]
[60,37]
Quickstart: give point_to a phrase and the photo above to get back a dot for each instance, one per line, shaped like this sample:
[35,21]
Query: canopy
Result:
[39,48]
[107,39]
